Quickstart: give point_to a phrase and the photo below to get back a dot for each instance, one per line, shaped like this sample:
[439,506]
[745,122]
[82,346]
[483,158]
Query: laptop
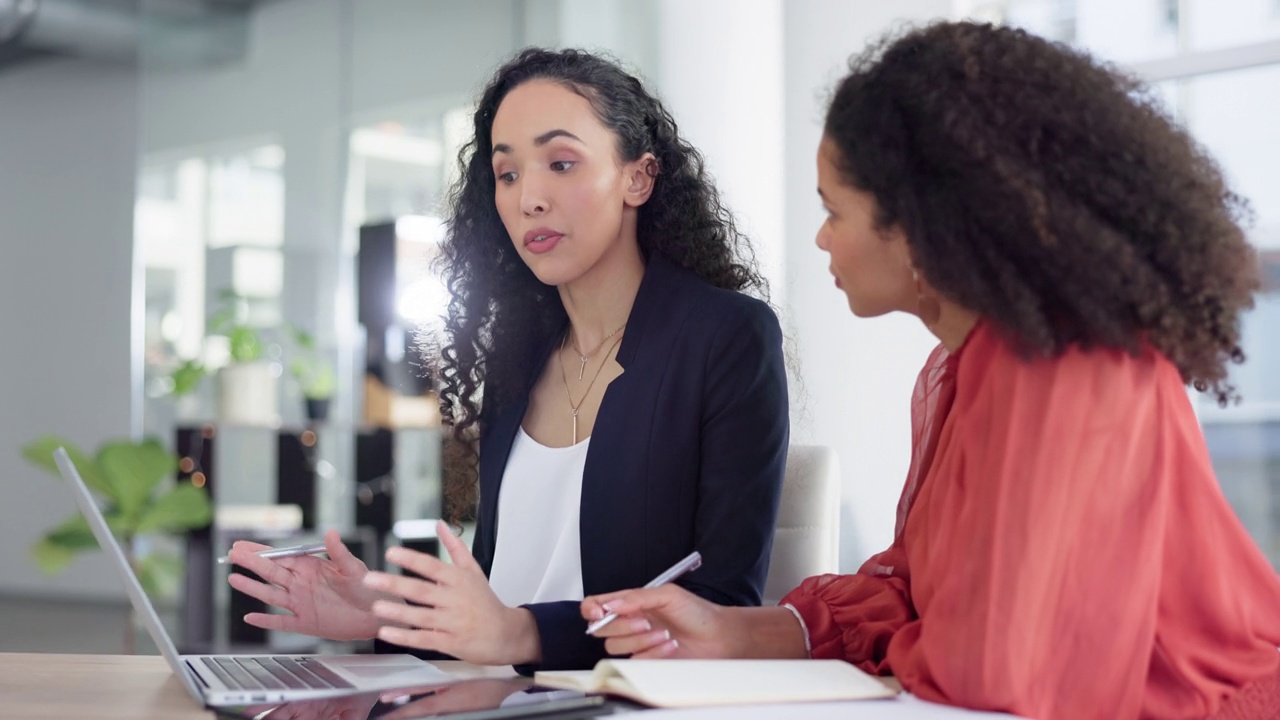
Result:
[226,680]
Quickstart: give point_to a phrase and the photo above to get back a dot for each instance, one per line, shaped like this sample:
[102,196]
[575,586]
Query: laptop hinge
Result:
[192,669]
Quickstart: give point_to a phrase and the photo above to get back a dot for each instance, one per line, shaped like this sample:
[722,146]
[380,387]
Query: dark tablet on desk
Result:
[478,699]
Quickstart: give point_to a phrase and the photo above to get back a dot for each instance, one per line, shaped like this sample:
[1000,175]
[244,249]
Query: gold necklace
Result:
[583,358]
[564,375]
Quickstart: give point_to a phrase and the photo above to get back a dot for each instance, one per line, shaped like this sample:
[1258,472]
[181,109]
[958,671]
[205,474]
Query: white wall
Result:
[721,71]
[67,147]
[858,373]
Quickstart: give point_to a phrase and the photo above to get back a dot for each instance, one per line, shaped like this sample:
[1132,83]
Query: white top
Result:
[537,556]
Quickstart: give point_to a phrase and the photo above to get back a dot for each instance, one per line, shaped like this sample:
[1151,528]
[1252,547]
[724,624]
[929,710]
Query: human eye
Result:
[506,178]
[563,165]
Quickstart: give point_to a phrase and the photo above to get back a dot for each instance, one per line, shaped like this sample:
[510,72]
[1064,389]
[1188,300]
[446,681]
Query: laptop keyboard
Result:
[273,673]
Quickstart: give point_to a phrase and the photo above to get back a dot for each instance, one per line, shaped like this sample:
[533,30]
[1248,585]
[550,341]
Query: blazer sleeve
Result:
[562,634]
[744,435]
[745,429]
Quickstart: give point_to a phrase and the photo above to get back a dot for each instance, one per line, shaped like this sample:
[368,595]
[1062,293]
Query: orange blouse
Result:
[1063,550]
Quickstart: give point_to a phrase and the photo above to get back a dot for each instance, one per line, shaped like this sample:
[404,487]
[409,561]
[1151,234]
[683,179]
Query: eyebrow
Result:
[539,141]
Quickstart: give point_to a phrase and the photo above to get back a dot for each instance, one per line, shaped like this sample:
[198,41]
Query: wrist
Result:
[522,634]
[766,632]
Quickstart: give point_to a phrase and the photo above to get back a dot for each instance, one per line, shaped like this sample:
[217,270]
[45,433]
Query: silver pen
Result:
[291,551]
[690,563]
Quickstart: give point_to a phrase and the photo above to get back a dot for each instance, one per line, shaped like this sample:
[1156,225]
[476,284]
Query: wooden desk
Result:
[119,687]
[52,687]
[45,686]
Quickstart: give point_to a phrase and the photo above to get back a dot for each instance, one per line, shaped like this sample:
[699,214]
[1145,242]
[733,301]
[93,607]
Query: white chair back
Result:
[806,539]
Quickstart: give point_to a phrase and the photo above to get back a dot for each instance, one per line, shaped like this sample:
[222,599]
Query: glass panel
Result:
[1231,113]
[1217,24]
[1129,31]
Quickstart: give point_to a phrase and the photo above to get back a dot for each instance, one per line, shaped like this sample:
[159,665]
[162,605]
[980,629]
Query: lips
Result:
[540,240]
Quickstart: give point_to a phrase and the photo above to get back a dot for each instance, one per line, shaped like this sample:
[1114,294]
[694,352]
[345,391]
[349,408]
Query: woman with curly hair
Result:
[628,396]
[1062,548]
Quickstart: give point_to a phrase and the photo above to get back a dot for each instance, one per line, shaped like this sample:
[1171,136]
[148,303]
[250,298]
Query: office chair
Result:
[806,538]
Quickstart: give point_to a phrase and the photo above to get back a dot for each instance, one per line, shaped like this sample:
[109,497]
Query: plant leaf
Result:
[303,338]
[51,557]
[187,377]
[134,469]
[73,534]
[185,507]
[245,346]
[39,452]
[159,573]
[59,546]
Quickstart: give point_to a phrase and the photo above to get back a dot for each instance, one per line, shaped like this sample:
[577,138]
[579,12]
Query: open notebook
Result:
[694,683]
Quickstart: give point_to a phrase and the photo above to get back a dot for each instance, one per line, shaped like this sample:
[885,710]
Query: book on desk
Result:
[698,683]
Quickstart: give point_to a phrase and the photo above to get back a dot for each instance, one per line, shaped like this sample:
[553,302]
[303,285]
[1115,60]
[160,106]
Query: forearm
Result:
[763,632]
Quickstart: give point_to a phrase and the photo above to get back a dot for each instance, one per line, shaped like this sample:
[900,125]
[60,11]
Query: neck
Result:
[599,301]
[953,325]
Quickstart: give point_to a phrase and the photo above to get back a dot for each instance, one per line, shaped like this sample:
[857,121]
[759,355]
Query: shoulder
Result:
[714,307]
[1096,378]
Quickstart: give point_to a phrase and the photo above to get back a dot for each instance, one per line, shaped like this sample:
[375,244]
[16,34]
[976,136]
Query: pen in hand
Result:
[284,552]
[690,563]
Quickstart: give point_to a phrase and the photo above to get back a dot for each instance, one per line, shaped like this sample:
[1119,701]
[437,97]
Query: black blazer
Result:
[687,453]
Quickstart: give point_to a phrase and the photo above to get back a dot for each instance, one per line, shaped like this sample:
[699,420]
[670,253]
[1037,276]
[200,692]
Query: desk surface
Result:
[49,686]
[38,686]
[46,686]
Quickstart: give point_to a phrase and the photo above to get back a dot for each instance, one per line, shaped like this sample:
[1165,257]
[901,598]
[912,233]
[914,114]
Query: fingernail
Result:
[607,607]
[642,626]
[674,643]
[595,613]
[666,634]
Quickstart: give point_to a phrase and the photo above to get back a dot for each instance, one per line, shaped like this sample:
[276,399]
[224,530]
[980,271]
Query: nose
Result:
[821,240]
[533,200]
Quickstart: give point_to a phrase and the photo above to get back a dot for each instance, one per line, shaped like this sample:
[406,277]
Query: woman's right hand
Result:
[324,598]
[666,621]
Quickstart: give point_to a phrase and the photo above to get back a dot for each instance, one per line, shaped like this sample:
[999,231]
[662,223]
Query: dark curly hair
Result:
[1050,194]
[500,315]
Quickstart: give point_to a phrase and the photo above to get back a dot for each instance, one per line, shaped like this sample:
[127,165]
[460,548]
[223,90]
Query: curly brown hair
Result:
[1050,193]
[500,315]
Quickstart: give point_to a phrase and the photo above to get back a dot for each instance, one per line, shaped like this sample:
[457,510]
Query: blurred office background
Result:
[173,170]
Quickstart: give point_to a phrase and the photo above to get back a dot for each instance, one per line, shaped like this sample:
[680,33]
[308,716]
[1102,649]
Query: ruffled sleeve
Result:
[853,617]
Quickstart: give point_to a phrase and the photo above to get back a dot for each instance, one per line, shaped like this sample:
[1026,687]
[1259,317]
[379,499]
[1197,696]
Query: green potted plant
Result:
[246,385]
[314,373]
[127,475]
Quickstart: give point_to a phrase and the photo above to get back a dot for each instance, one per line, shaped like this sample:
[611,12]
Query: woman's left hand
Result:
[456,612]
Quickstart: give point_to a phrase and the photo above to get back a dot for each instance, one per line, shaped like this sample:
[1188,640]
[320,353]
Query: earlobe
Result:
[643,174]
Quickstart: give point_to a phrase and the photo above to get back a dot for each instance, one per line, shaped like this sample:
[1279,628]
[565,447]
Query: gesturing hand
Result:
[666,621]
[457,612]
[325,598]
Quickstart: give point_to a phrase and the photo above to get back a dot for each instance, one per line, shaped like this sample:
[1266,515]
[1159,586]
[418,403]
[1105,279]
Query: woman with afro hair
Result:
[1063,550]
